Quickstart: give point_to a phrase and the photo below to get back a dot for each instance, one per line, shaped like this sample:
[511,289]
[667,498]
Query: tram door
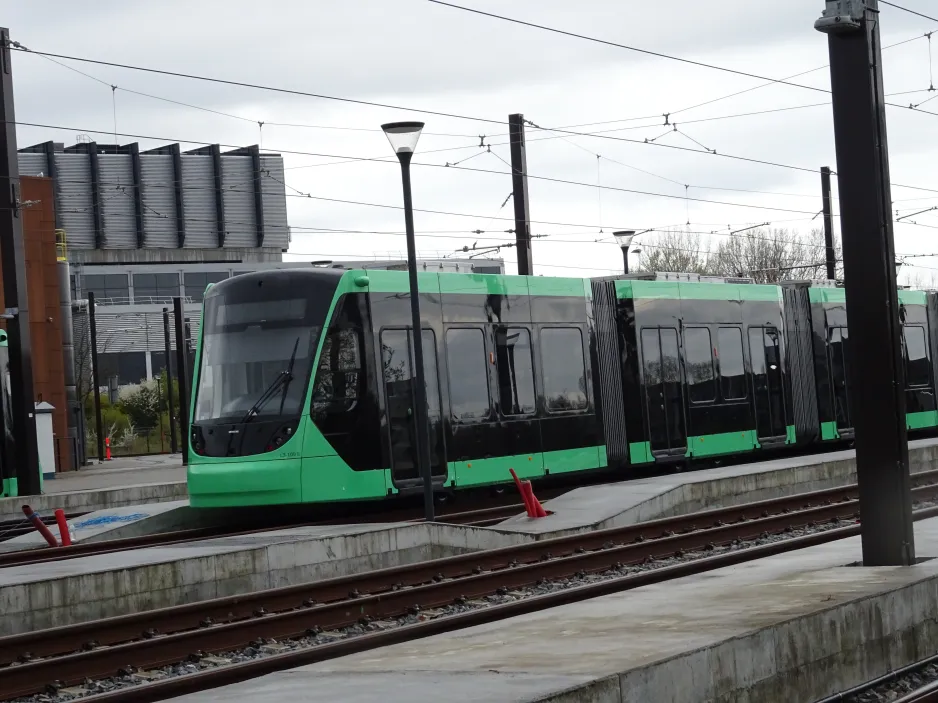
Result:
[664,397]
[398,370]
[839,358]
[767,382]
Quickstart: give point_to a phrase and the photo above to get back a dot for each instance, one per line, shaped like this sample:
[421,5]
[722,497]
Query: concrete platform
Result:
[121,482]
[788,629]
[627,503]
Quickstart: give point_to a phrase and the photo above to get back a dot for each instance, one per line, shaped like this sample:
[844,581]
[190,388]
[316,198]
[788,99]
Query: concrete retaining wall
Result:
[799,660]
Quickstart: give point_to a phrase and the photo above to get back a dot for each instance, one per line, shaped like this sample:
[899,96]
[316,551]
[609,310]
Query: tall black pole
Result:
[182,373]
[828,222]
[625,259]
[13,253]
[875,372]
[519,194]
[169,382]
[420,392]
[95,379]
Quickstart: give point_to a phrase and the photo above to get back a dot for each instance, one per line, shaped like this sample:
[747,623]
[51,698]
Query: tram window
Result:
[732,370]
[916,357]
[698,364]
[468,383]
[564,368]
[515,368]
[337,380]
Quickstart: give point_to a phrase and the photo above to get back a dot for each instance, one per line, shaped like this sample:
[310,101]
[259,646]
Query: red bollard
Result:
[524,495]
[40,526]
[63,527]
[107,450]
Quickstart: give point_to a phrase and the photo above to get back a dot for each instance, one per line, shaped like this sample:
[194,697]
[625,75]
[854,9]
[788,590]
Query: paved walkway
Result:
[121,471]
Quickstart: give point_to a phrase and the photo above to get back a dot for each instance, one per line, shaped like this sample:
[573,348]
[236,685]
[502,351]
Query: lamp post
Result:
[624,240]
[403,137]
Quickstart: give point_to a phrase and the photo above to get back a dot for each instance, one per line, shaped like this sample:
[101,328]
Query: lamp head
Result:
[403,136]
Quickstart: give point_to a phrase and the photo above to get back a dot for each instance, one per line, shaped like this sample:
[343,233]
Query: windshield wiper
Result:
[283,379]
[289,376]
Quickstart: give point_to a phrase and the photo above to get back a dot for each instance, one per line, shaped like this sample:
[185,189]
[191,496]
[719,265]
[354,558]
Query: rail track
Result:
[46,660]
[478,517]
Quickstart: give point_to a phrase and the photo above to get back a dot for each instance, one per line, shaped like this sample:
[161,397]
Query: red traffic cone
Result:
[524,495]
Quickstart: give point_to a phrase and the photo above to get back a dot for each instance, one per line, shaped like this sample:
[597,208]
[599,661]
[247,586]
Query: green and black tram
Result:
[303,390]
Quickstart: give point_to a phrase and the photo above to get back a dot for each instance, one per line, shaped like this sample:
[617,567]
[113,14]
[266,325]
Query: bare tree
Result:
[766,256]
[676,251]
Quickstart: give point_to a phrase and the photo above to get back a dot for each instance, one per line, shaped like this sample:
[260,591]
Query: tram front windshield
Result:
[256,357]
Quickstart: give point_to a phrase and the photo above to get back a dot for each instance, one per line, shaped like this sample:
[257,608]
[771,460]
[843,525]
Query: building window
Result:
[564,368]
[196,283]
[468,383]
[110,286]
[698,364]
[515,367]
[155,287]
[916,357]
[732,371]
[129,367]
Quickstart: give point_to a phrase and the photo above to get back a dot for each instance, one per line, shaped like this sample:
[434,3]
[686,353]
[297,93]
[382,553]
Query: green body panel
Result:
[329,478]
[697,291]
[478,472]
[839,295]
[912,297]
[829,431]
[567,460]
[246,481]
[640,453]
[723,443]
[917,421]
[790,435]
[9,488]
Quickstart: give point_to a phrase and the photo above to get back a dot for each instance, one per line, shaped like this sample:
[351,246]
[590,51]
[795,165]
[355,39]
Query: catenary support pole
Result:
[519,194]
[182,373]
[826,204]
[875,373]
[167,352]
[13,254]
[95,376]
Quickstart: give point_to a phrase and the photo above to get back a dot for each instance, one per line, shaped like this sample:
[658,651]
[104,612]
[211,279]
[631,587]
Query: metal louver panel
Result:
[275,203]
[131,331]
[198,195]
[159,201]
[238,184]
[76,213]
[31,164]
[117,201]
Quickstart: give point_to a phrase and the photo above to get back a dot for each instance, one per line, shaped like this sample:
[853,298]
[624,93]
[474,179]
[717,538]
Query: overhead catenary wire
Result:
[658,54]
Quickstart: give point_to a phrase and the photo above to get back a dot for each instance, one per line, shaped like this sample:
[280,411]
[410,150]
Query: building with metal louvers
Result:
[118,204]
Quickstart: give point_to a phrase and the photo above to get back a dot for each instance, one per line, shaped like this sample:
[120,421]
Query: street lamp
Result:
[624,240]
[403,137]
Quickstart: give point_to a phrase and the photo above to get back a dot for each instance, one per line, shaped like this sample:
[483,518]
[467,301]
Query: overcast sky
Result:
[423,56]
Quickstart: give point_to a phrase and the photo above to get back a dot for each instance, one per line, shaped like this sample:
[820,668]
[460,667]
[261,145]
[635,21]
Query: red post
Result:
[524,495]
[63,527]
[107,445]
[40,526]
